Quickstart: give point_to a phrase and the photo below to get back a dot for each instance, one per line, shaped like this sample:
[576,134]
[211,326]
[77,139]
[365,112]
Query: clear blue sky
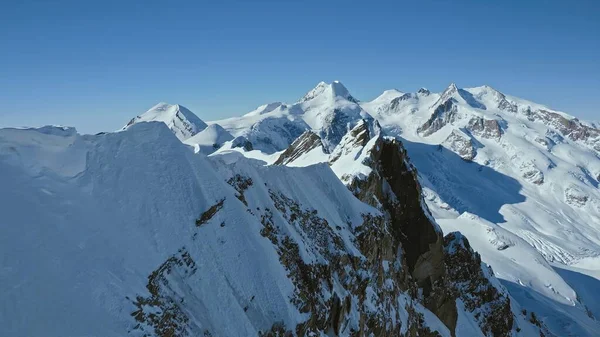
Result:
[96,64]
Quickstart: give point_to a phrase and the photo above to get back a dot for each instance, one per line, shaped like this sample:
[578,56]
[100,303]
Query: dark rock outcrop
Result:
[444,269]
[461,144]
[444,113]
[423,92]
[302,145]
[337,124]
[396,101]
[160,313]
[393,187]
[470,282]
[242,142]
[486,128]
[504,104]
[572,129]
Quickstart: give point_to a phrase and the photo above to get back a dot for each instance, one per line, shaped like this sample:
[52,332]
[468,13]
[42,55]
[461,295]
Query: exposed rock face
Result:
[575,197]
[504,104]
[444,269]
[275,134]
[570,128]
[470,281]
[461,144]
[447,94]
[396,101]
[335,128]
[393,188]
[486,128]
[160,314]
[357,137]
[365,282]
[242,142]
[444,113]
[304,144]
[424,92]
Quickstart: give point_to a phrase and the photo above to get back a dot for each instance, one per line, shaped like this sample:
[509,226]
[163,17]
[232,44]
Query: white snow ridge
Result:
[463,213]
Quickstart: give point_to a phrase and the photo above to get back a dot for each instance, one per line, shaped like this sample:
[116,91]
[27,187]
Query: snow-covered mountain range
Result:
[326,217]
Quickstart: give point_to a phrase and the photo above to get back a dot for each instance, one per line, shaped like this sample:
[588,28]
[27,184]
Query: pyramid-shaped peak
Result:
[450,91]
[183,122]
[339,89]
[165,110]
[488,88]
[451,88]
[332,90]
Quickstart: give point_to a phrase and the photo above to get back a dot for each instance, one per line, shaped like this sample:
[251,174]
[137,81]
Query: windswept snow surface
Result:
[79,239]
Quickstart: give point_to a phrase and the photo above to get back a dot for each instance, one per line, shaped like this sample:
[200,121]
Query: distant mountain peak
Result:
[180,120]
[329,90]
[265,108]
[452,88]
[486,89]
[424,91]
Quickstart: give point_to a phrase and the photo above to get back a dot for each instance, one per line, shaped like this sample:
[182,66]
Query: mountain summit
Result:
[329,91]
[178,118]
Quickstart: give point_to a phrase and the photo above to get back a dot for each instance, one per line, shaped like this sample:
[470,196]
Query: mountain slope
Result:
[210,139]
[137,233]
[551,156]
[515,164]
[376,169]
[133,233]
[517,177]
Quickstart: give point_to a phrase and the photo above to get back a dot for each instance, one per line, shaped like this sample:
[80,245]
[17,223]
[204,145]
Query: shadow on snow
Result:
[463,185]
[564,319]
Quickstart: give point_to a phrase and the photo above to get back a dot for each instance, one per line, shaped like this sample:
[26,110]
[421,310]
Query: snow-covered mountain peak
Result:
[450,90]
[486,92]
[291,249]
[210,139]
[388,95]
[266,108]
[451,93]
[339,90]
[329,110]
[328,91]
[180,120]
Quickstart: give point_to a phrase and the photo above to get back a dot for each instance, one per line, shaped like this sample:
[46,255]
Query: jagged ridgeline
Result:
[436,272]
[303,219]
[357,272]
